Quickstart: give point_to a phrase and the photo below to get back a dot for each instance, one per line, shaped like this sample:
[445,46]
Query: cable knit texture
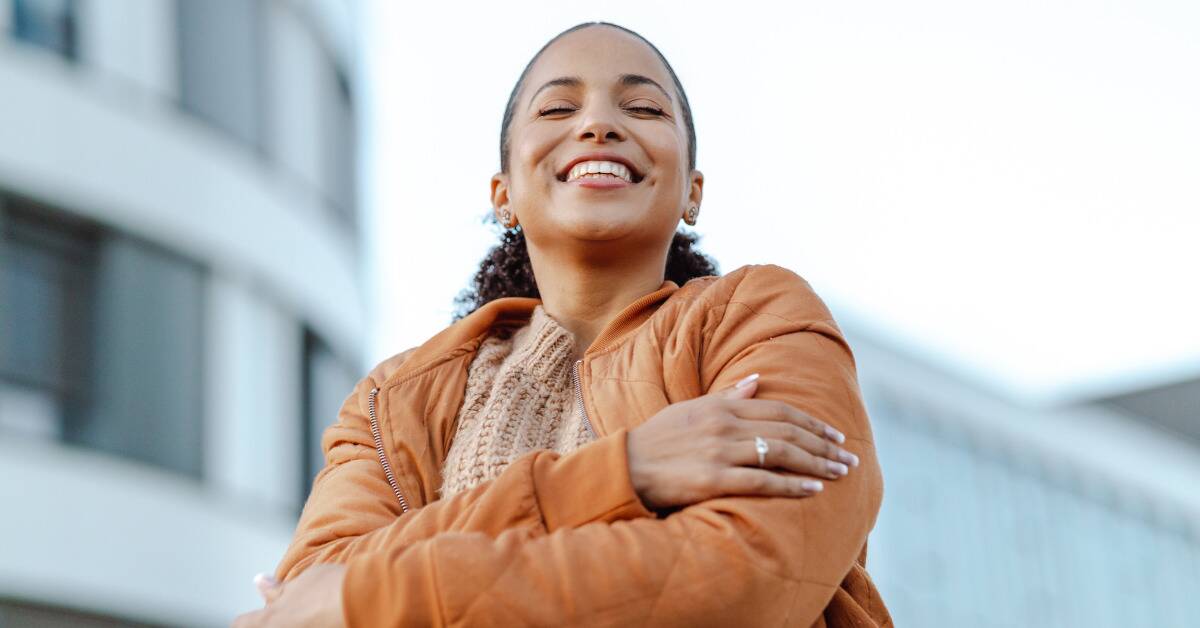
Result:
[520,396]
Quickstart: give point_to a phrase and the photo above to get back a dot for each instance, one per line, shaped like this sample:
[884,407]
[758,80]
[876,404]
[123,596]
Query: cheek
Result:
[531,150]
[669,152]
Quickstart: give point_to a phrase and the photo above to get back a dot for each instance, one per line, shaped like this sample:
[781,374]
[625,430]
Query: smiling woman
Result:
[609,433]
[507,270]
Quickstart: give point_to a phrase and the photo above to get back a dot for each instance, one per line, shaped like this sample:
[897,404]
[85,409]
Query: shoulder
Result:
[757,290]
[762,309]
[442,346]
[383,370]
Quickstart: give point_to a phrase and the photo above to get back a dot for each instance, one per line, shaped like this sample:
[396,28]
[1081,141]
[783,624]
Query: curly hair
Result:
[506,270]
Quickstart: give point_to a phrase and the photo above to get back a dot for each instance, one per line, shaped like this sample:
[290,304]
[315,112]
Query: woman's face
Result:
[600,95]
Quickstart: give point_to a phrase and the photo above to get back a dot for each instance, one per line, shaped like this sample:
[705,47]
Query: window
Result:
[309,118]
[46,279]
[341,146]
[147,366]
[100,339]
[219,65]
[327,382]
[1173,407]
[47,23]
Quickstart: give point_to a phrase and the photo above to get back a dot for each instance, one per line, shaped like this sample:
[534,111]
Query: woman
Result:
[611,434]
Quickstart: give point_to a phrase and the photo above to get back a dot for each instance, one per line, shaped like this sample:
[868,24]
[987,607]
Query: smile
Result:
[603,170]
[599,170]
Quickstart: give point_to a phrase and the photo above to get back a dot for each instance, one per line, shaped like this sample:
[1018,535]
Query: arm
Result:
[727,561]
[351,510]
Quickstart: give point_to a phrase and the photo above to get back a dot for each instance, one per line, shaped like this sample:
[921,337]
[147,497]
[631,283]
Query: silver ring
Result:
[760,446]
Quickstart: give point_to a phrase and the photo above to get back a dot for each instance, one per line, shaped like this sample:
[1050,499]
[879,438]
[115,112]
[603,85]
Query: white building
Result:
[1081,513]
[180,297]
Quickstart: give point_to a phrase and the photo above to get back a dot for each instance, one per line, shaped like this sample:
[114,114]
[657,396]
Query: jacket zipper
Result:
[579,397]
[387,468]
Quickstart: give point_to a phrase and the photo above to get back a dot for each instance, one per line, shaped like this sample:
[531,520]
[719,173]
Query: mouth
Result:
[600,170]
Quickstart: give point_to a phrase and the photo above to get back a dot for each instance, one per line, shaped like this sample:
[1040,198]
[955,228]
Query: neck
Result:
[585,297]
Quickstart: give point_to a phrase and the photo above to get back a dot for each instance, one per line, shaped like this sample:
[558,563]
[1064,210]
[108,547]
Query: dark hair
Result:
[506,270]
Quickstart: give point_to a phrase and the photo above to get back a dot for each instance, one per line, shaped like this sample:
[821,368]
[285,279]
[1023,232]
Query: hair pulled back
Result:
[506,270]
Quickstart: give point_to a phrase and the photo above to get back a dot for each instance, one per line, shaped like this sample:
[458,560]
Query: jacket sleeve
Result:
[728,561]
[352,510]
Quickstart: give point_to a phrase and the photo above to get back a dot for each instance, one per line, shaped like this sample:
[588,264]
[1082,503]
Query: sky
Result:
[1006,192]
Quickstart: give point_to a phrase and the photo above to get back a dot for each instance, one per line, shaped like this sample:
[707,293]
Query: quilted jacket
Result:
[563,539]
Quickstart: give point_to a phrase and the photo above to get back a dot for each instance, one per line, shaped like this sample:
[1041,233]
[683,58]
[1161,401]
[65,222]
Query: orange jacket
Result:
[564,540]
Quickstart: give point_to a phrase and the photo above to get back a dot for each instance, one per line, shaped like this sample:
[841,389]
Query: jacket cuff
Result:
[590,484]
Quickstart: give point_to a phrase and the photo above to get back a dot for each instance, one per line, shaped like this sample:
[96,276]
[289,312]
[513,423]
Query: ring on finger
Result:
[761,447]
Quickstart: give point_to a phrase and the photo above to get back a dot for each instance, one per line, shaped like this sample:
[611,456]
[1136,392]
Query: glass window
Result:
[146,382]
[100,339]
[1171,406]
[310,121]
[341,148]
[219,65]
[47,23]
[328,381]
[46,278]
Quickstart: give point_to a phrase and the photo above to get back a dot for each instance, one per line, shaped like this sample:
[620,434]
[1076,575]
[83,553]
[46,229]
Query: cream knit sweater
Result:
[520,396]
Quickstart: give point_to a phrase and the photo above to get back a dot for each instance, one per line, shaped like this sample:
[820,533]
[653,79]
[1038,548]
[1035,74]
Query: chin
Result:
[600,229]
[599,222]
[624,235]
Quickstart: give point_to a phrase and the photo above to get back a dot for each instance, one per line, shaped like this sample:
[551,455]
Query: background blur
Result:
[216,215]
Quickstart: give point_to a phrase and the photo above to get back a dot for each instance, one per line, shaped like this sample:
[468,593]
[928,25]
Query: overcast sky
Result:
[1010,192]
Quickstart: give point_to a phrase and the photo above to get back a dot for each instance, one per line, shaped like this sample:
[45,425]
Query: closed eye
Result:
[654,111]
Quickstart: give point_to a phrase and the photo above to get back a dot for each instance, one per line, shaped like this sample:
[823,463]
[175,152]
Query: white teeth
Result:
[600,168]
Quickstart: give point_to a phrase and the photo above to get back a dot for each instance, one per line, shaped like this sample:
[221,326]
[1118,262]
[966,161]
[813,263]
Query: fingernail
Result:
[834,435]
[267,580]
[812,485]
[747,380]
[848,458]
[838,468]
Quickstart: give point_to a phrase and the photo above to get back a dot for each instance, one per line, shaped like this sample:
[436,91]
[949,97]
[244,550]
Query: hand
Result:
[312,600]
[704,448]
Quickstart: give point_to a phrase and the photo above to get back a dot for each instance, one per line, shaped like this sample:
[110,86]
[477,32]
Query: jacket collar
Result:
[465,334]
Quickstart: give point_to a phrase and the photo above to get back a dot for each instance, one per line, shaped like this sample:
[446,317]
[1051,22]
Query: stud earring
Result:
[692,212]
[506,218]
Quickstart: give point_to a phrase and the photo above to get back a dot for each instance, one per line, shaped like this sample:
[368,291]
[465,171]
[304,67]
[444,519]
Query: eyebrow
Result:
[575,81]
[638,79]
[569,81]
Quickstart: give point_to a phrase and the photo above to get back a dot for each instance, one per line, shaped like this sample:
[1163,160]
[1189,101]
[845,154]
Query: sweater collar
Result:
[543,346]
[465,334]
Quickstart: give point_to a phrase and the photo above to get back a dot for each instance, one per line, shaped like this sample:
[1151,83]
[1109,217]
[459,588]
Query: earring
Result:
[506,218]
[690,217]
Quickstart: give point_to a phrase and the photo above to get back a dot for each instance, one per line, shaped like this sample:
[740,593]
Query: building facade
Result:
[180,297]
[1084,513]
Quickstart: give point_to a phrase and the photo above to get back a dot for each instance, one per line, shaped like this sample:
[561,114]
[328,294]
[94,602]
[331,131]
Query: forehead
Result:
[598,55]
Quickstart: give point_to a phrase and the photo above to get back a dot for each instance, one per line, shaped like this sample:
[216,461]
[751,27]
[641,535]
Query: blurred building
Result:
[180,302]
[1081,513]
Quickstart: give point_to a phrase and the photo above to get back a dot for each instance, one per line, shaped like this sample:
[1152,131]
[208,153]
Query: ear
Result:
[696,190]
[500,200]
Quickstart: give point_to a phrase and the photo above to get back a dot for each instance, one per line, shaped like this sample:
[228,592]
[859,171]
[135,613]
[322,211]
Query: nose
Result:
[598,126]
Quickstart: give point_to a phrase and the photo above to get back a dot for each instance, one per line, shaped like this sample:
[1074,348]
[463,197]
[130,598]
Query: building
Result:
[1083,512]
[180,297]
